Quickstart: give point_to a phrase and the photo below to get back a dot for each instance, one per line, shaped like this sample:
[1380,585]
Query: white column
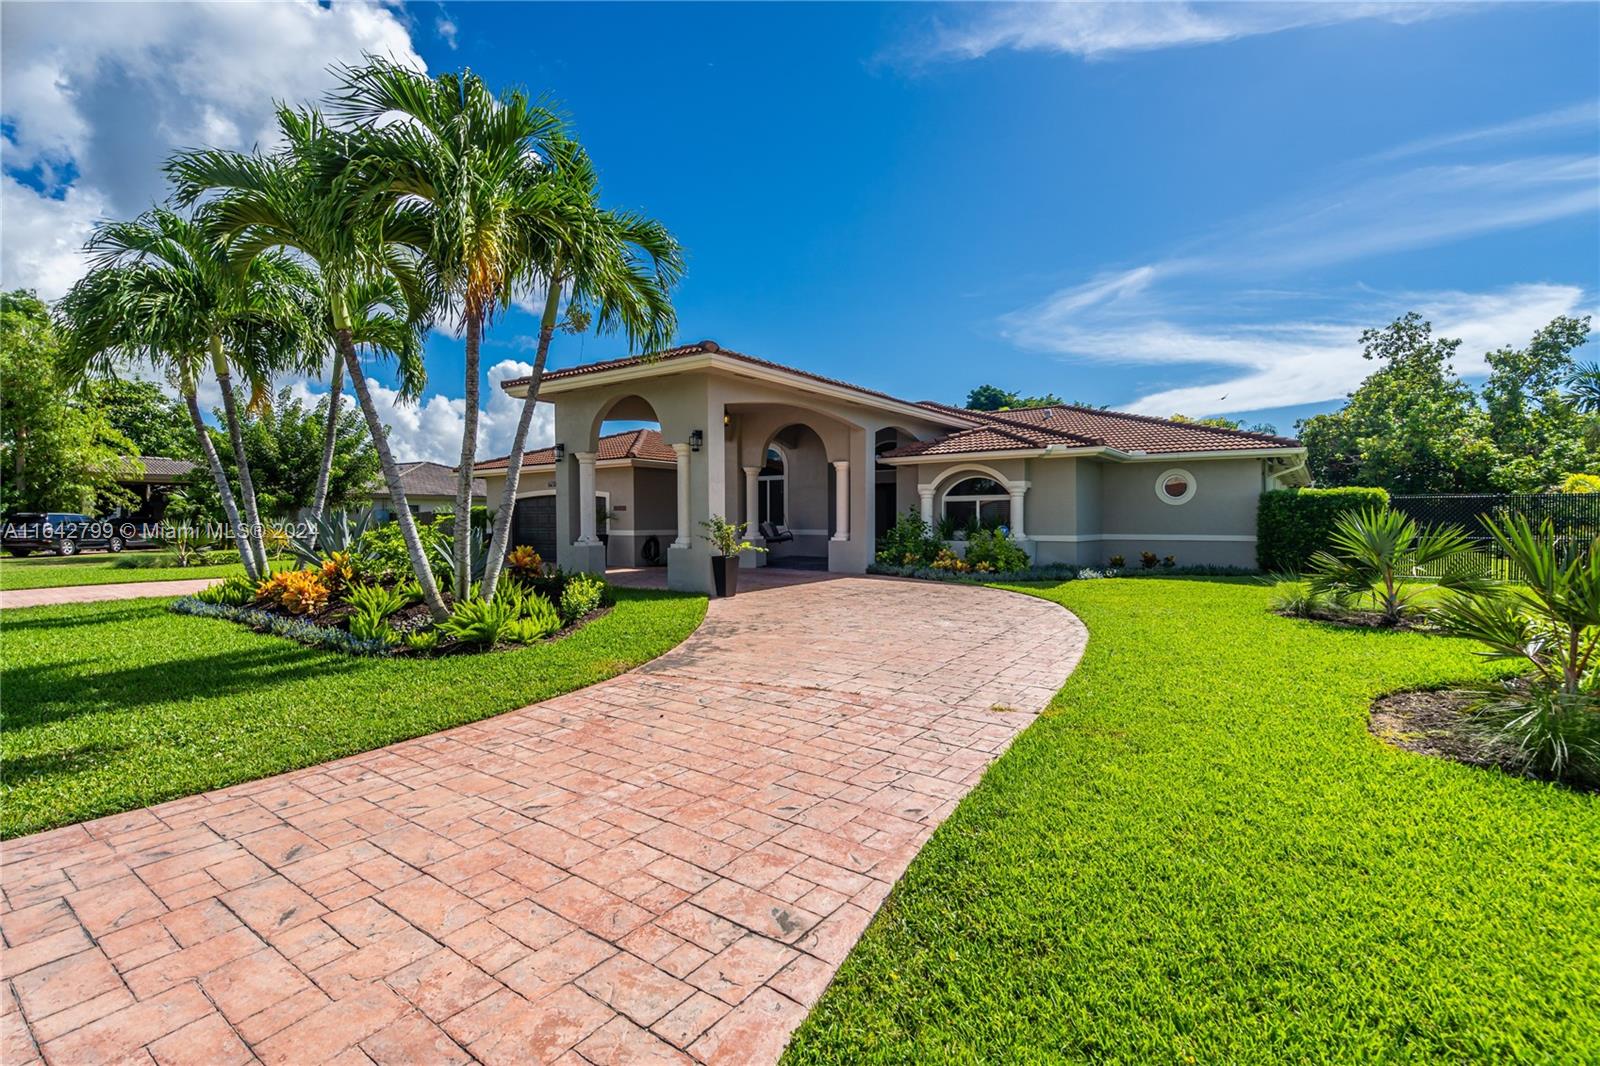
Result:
[841,496]
[683,496]
[586,530]
[1018,490]
[925,492]
[752,500]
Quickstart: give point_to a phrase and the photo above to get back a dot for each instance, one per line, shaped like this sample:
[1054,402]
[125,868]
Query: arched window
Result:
[771,484]
[978,503]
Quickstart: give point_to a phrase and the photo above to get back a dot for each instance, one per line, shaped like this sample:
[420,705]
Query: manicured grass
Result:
[1200,855]
[102,568]
[113,706]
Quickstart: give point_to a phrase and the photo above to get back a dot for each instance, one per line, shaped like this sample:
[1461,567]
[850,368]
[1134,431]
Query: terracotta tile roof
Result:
[429,479]
[708,347]
[631,444]
[1078,427]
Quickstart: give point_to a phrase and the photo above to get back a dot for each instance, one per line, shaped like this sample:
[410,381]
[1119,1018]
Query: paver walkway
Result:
[122,590]
[664,867]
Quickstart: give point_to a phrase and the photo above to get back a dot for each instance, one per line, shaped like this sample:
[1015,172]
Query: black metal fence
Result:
[1574,516]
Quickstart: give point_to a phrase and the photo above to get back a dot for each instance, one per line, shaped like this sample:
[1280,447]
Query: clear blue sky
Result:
[1162,207]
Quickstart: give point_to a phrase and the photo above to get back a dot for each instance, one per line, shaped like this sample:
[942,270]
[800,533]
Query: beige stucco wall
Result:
[1082,510]
[641,499]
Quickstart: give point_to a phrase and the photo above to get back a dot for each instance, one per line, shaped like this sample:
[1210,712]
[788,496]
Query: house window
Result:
[771,483]
[978,502]
[1175,486]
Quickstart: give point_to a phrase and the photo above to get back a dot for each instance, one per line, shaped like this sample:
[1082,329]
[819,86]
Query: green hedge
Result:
[1293,523]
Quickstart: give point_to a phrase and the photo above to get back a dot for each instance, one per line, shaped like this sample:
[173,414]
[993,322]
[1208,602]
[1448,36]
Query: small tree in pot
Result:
[728,538]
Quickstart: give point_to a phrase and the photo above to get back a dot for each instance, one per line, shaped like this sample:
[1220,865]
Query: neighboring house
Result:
[834,463]
[633,478]
[153,479]
[430,490]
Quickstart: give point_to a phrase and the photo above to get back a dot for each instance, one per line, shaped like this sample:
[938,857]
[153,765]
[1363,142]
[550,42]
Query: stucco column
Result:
[586,530]
[841,496]
[752,500]
[1019,491]
[925,493]
[682,451]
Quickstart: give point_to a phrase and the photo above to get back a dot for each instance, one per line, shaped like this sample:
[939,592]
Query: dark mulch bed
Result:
[1359,619]
[1437,723]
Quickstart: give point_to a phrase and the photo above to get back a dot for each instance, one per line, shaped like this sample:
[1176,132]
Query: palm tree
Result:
[460,165]
[1384,553]
[163,288]
[308,198]
[1584,382]
[616,270]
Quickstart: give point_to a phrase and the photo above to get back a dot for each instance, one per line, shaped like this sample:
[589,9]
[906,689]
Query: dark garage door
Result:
[534,523]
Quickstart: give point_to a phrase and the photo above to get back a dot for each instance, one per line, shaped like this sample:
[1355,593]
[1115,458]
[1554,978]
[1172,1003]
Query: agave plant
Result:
[330,533]
[1382,553]
[1549,621]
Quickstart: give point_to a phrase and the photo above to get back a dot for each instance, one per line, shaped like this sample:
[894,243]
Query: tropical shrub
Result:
[1380,552]
[235,591]
[991,550]
[423,640]
[524,562]
[334,533]
[338,572]
[1548,621]
[1149,560]
[368,626]
[584,593]
[296,591]
[1293,524]
[909,542]
[727,537]
[1117,562]
[482,622]
[382,549]
[1294,597]
[376,600]
[539,620]
[950,561]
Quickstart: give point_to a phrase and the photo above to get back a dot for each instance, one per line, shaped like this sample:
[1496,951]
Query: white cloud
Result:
[97,96]
[447,31]
[1098,30]
[430,429]
[41,245]
[1580,117]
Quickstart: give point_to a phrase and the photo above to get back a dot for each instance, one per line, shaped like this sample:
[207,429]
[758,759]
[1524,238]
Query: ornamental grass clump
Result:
[1547,621]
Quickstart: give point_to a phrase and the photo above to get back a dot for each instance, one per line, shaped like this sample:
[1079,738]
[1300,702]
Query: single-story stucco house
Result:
[430,490]
[829,465]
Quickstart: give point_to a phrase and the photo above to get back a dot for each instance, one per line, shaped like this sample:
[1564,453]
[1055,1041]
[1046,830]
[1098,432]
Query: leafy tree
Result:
[1537,428]
[58,451]
[1412,426]
[459,166]
[155,422]
[616,269]
[283,444]
[994,398]
[1219,422]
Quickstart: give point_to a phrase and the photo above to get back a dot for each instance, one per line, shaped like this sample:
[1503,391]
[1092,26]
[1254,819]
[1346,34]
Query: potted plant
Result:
[728,538]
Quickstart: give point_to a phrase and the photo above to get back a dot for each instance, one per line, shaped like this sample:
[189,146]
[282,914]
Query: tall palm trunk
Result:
[461,549]
[391,477]
[230,509]
[498,544]
[247,488]
[330,433]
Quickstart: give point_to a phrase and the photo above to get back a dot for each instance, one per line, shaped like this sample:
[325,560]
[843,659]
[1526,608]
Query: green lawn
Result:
[102,568]
[112,706]
[1200,855]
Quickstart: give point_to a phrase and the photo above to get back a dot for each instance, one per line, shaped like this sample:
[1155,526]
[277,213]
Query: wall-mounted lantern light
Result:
[561,453]
[696,439]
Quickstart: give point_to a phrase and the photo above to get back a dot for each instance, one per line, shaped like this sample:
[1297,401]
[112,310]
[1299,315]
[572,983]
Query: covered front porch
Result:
[792,455]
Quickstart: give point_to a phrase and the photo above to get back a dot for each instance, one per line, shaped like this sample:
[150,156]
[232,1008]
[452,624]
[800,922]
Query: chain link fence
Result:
[1574,516]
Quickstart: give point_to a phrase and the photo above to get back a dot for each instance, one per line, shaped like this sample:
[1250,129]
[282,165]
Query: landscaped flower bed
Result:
[353,603]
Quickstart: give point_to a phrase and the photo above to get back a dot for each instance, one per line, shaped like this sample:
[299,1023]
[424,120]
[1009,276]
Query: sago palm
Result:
[309,198]
[1384,553]
[616,270]
[164,288]
[458,164]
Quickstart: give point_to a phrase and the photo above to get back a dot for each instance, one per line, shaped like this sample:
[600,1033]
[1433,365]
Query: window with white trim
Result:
[1175,486]
[771,483]
[978,502]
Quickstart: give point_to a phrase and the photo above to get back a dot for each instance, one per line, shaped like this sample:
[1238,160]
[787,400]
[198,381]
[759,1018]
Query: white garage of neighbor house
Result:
[820,468]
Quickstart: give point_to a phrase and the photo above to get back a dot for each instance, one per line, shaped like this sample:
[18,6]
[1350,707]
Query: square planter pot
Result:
[725,574]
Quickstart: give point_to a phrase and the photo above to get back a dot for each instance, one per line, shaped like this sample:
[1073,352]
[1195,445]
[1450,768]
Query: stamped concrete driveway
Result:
[665,867]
